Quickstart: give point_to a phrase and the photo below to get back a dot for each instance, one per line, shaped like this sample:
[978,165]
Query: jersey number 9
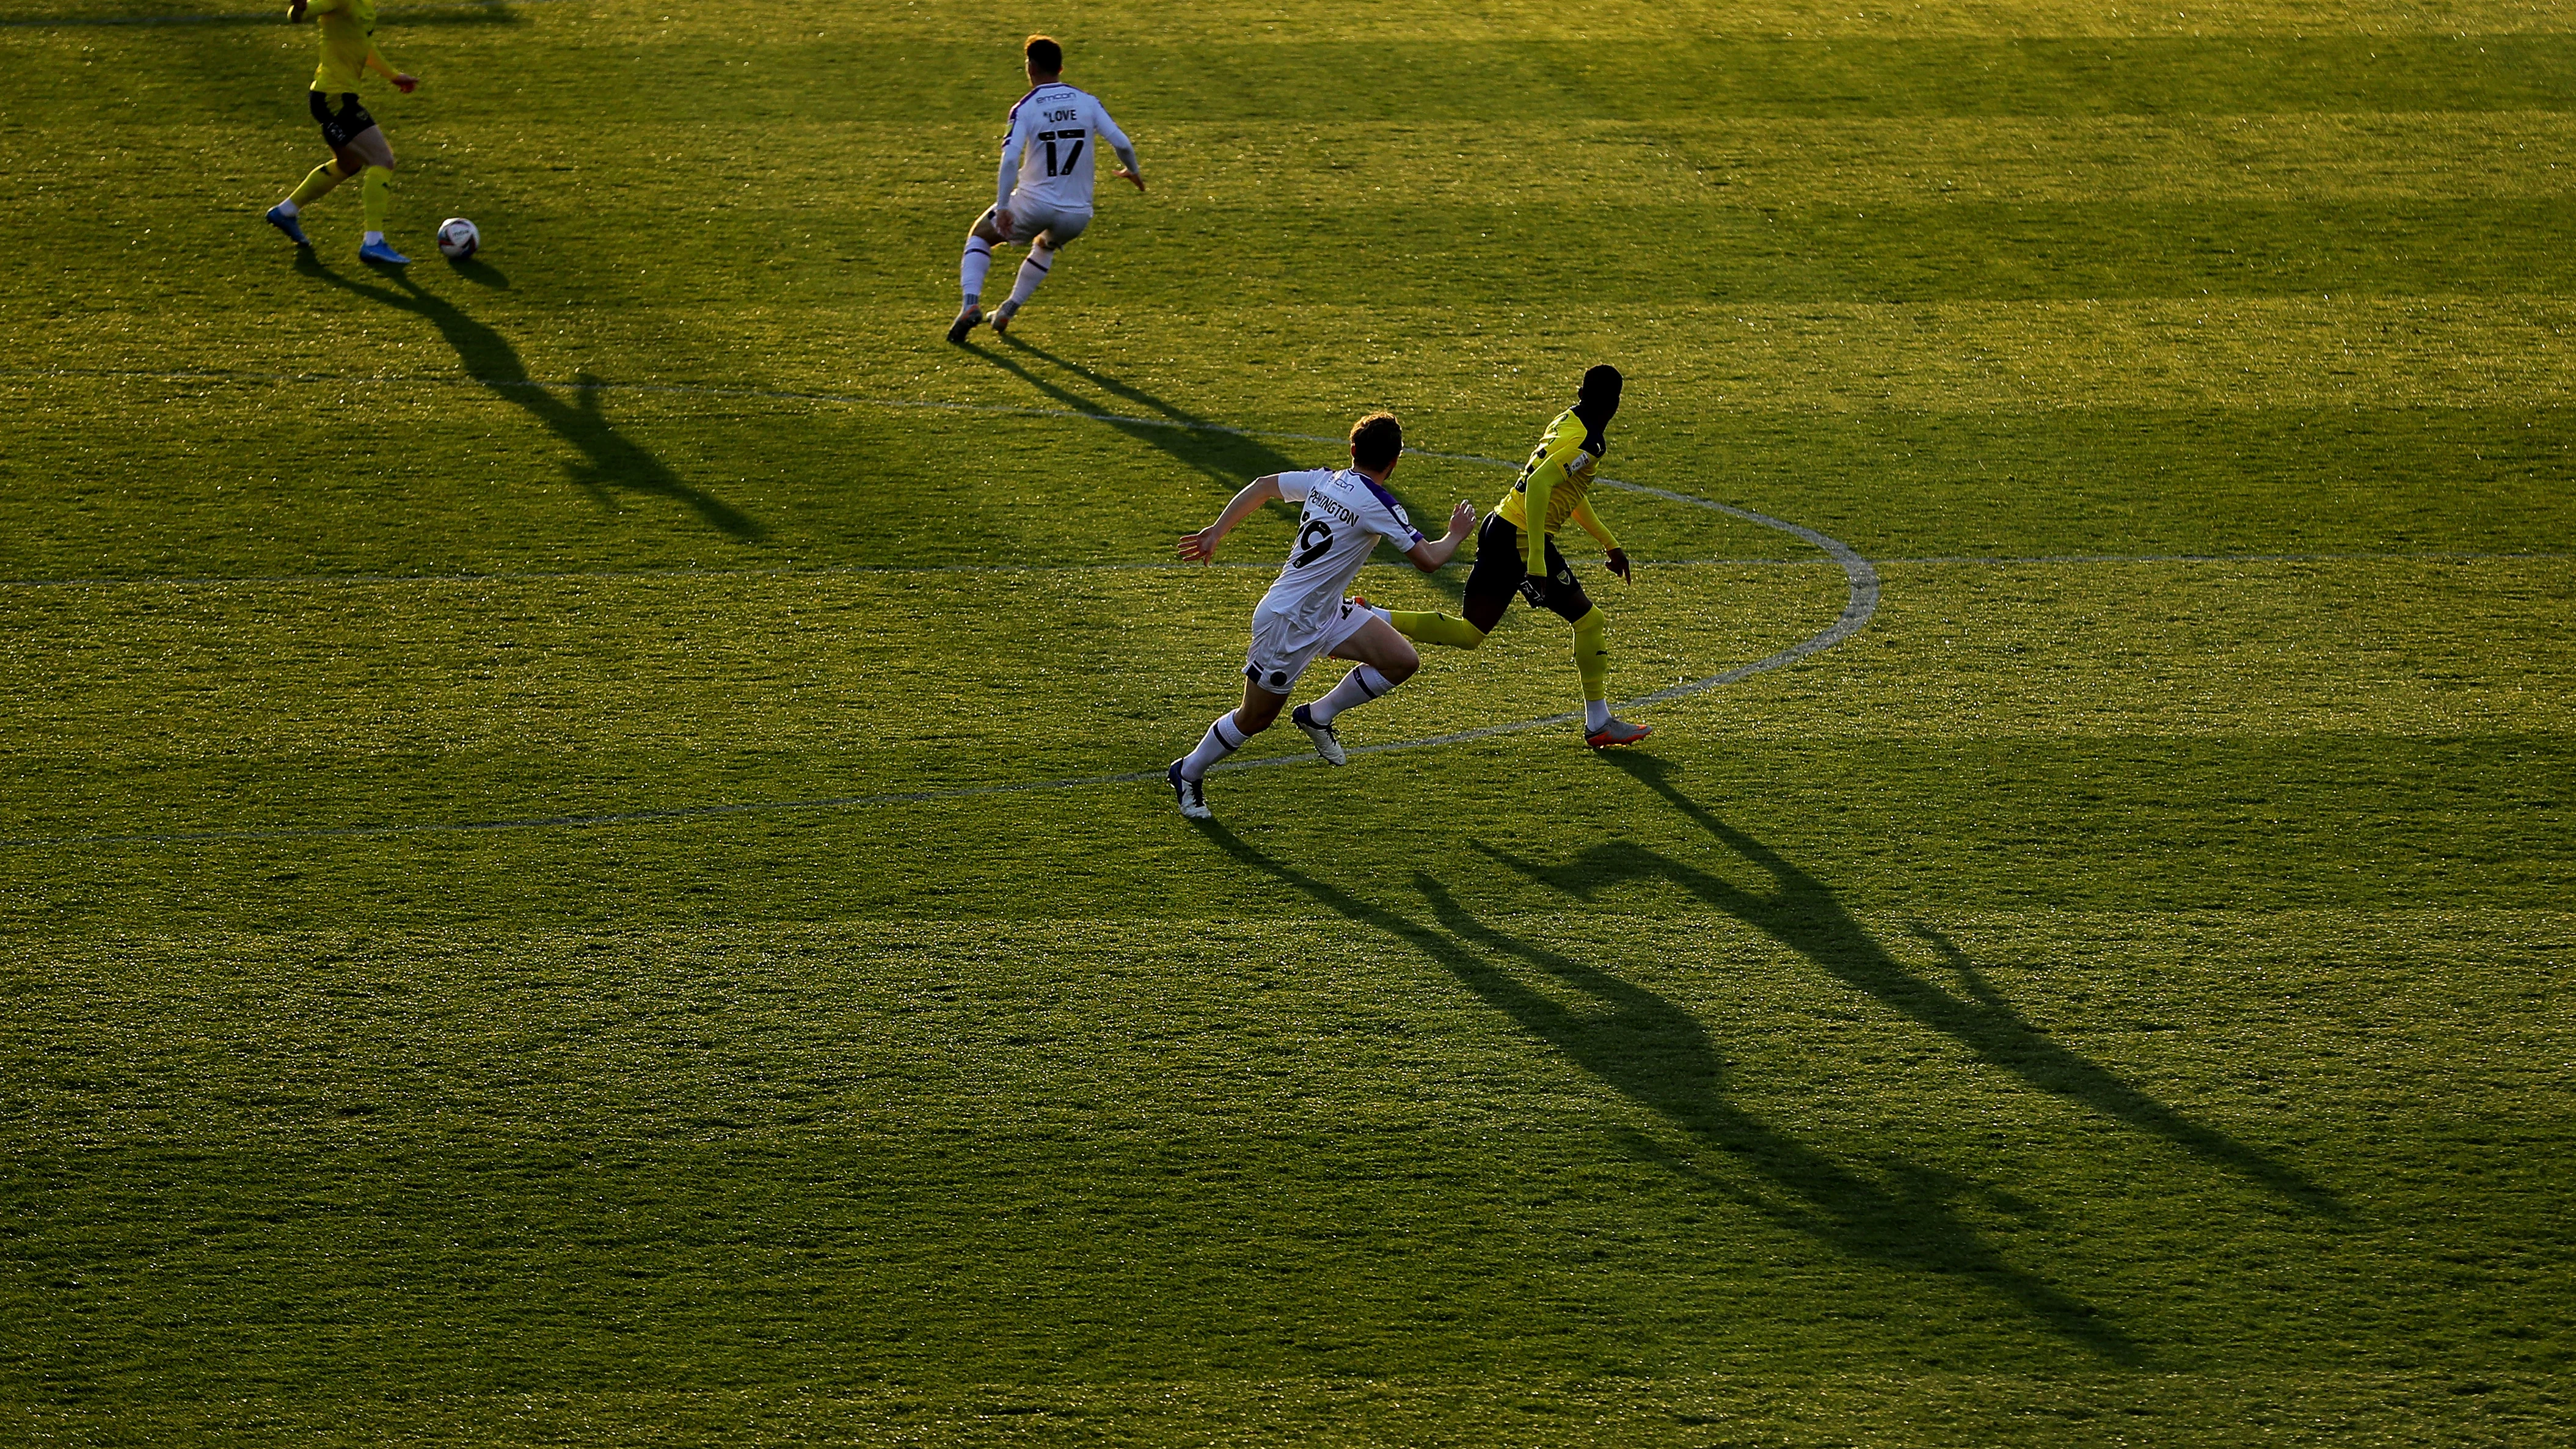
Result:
[1312,542]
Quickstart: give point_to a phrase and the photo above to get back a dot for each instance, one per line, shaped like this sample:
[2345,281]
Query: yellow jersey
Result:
[1552,483]
[348,42]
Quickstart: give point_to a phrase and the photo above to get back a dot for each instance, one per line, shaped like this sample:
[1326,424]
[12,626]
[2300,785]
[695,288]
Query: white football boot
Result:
[1327,743]
[1191,793]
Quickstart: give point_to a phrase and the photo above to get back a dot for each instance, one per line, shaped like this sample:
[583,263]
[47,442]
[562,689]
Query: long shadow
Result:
[610,461]
[1803,914]
[1229,459]
[393,18]
[480,272]
[1660,1057]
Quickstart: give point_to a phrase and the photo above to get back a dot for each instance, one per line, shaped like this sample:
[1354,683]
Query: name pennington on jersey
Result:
[1305,615]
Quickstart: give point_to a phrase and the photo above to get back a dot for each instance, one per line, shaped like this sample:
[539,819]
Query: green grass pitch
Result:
[2118,996]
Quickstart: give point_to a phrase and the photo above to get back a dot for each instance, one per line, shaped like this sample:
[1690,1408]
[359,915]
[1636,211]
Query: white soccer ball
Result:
[457,239]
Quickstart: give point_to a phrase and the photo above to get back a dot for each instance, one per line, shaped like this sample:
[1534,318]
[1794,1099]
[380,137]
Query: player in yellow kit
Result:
[358,148]
[1516,550]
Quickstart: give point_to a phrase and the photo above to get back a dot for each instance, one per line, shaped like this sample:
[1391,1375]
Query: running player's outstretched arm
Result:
[1593,525]
[1199,547]
[1117,139]
[403,83]
[1430,554]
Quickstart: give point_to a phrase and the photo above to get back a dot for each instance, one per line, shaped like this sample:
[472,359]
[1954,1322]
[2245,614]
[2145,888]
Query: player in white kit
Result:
[1044,194]
[1308,612]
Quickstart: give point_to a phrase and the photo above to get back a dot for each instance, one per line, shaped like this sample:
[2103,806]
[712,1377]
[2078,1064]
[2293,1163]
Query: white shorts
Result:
[1281,652]
[1030,216]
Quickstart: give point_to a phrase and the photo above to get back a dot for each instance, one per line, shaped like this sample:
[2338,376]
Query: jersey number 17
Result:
[1064,167]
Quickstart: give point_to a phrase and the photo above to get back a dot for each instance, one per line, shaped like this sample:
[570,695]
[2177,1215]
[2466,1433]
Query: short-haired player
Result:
[1516,553]
[1342,516]
[358,145]
[1043,196]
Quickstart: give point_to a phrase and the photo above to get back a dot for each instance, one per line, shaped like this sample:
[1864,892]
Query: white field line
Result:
[1860,604]
[825,571]
[1015,410]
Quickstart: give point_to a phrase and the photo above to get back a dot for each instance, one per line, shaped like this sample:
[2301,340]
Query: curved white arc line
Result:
[1860,604]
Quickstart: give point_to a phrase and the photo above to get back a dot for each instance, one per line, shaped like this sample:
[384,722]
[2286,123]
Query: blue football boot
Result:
[278,218]
[377,251]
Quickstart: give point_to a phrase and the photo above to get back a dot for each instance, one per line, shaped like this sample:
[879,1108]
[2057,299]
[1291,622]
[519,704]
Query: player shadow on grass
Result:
[1659,1056]
[1227,456]
[458,13]
[1802,913]
[610,461]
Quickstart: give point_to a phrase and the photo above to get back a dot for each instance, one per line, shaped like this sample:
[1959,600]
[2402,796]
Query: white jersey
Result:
[1344,516]
[1048,154]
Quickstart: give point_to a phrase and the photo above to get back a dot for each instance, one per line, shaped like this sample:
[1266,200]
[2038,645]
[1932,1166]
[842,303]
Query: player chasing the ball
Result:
[1306,615]
[1044,192]
[1516,550]
[358,148]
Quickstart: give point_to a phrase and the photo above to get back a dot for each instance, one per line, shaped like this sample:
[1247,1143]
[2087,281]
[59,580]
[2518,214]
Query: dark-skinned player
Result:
[1516,553]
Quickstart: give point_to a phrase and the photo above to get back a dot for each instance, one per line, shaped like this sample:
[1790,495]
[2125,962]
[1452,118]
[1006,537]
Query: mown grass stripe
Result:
[393,13]
[1861,602]
[825,571]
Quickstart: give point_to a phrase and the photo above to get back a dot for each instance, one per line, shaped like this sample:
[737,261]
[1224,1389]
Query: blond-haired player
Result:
[1043,196]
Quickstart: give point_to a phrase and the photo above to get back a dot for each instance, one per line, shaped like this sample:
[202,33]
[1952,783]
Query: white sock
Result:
[971,270]
[1596,714]
[1357,688]
[1221,740]
[373,238]
[1032,272]
[291,210]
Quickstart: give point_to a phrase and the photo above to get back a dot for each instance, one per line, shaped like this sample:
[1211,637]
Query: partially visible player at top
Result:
[1044,195]
[357,146]
[1516,550]
[1305,616]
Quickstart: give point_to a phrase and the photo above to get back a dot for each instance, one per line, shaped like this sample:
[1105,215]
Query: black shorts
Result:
[352,121]
[1499,571]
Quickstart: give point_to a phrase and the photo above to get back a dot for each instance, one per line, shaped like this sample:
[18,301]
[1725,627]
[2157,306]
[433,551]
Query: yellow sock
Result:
[1592,654]
[318,183]
[1431,628]
[378,190]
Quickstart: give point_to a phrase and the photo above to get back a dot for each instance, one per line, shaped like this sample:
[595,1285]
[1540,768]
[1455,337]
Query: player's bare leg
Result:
[1230,732]
[367,155]
[1033,270]
[1386,659]
[375,157]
